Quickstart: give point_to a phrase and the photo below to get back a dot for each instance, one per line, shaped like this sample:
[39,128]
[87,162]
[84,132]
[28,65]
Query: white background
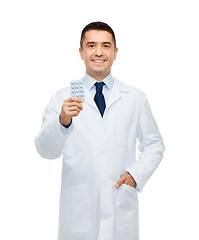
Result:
[158,53]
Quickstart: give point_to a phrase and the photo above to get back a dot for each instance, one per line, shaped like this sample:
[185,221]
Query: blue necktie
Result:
[99,97]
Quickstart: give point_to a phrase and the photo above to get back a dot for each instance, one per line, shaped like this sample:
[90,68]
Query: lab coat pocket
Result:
[75,214]
[126,209]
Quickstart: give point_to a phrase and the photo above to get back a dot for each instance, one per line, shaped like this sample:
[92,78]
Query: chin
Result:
[99,72]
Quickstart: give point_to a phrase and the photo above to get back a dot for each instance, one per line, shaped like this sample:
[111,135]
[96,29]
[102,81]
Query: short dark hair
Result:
[101,26]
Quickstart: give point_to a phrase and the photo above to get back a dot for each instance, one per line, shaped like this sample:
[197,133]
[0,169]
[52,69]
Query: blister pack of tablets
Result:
[77,89]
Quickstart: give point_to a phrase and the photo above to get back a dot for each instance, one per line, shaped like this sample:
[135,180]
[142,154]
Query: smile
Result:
[98,61]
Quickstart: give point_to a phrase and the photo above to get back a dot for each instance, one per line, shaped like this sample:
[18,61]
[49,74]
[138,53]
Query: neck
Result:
[98,77]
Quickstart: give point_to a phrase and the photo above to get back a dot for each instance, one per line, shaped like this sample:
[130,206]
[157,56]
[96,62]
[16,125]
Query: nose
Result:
[99,52]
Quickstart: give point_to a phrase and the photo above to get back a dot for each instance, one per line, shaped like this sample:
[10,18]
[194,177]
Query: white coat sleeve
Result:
[151,147]
[51,138]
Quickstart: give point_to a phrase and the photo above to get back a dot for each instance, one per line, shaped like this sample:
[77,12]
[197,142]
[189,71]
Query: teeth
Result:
[100,61]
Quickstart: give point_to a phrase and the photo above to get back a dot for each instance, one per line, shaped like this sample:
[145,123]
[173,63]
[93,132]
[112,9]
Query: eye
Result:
[91,46]
[106,46]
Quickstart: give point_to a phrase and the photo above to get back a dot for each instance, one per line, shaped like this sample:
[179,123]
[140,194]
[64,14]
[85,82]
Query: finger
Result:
[73,113]
[74,99]
[73,108]
[120,181]
[127,183]
[67,109]
[128,179]
[69,104]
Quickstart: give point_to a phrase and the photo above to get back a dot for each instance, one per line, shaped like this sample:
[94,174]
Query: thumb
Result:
[120,181]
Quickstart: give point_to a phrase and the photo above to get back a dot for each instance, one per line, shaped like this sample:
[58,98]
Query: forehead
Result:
[98,36]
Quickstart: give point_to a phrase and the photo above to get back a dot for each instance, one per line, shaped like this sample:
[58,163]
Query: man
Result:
[97,138]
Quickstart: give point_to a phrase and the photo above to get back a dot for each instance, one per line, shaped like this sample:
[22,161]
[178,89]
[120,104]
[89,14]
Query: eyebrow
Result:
[109,43]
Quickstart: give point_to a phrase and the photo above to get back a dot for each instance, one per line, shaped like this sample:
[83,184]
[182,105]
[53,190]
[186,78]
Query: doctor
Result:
[101,176]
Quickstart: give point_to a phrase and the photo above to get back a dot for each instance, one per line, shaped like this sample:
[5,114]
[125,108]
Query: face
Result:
[98,52]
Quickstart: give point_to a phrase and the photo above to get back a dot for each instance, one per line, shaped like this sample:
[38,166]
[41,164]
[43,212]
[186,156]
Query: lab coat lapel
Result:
[116,93]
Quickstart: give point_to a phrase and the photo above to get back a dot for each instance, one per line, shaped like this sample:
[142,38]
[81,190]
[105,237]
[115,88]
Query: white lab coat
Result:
[96,152]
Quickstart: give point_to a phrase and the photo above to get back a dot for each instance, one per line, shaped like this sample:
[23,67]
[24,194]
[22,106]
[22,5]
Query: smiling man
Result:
[97,136]
[98,50]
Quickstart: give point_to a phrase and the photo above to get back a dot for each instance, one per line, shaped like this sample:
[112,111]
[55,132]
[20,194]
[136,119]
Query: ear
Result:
[115,54]
[81,53]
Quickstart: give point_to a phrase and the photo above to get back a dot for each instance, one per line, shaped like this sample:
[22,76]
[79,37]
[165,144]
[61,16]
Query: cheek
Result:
[111,54]
[111,57]
[88,56]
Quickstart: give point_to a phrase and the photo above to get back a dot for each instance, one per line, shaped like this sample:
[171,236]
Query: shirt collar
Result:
[88,81]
